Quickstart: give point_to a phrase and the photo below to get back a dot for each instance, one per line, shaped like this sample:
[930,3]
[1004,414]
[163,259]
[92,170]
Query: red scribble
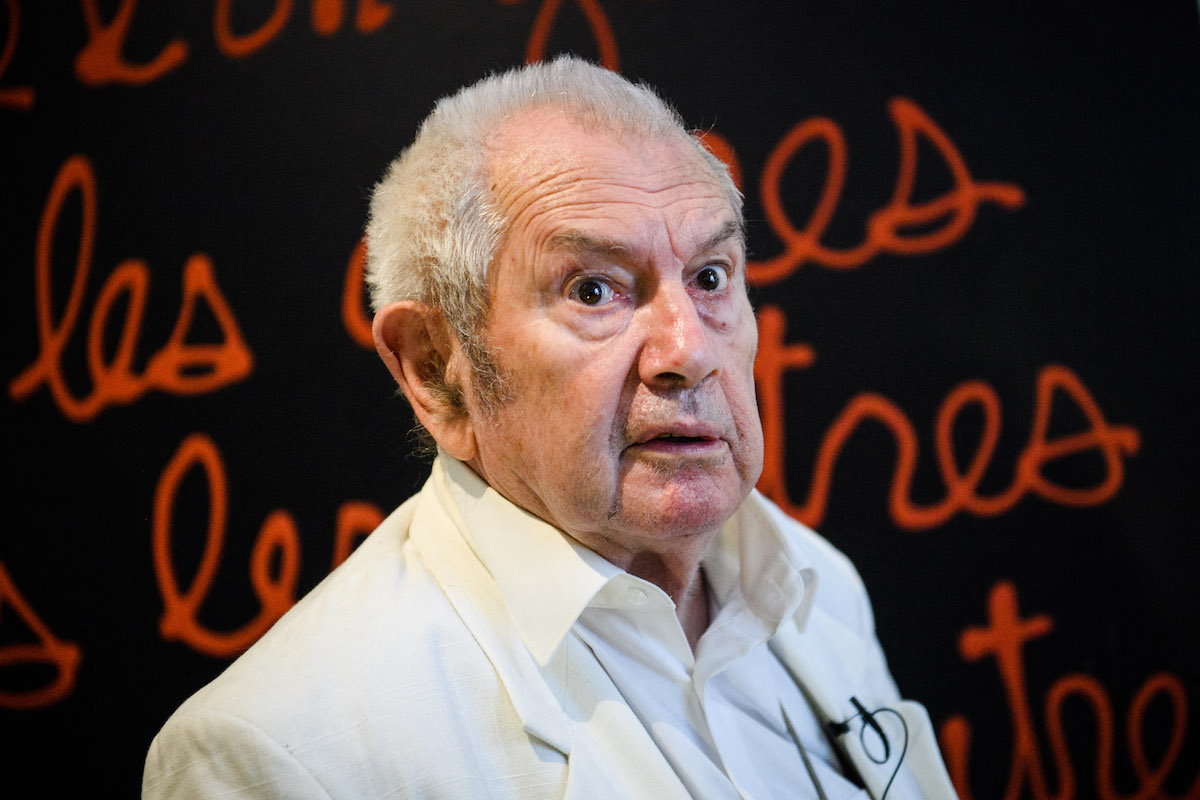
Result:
[18,97]
[329,15]
[235,45]
[1004,639]
[355,317]
[179,367]
[102,60]
[49,649]
[355,521]
[371,15]
[1112,442]
[955,210]
[278,540]
[597,20]
[774,360]
[278,535]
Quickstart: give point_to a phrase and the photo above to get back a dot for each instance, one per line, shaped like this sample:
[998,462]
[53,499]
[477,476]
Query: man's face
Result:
[620,321]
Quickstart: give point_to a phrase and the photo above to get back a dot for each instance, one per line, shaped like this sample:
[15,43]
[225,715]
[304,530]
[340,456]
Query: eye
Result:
[591,292]
[712,278]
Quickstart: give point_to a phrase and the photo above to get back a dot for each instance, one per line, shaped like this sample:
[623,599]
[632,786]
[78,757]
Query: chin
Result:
[691,512]
[656,502]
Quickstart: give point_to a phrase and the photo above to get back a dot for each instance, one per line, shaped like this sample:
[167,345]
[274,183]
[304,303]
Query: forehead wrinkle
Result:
[534,189]
[632,192]
[520,175]
[577,241]
[519,192]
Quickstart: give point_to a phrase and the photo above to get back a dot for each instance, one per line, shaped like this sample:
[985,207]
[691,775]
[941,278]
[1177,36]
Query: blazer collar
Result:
[545,577]
[562,702]
[479,604]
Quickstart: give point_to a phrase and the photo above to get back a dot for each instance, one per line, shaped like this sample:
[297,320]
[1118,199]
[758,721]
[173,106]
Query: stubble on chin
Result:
[668,469]
[666,476]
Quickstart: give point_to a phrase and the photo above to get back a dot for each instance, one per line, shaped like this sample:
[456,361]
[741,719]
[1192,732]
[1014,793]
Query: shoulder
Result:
[374,660]
[375,613]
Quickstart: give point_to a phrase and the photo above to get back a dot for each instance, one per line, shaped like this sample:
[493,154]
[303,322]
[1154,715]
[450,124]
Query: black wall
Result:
[1029,270]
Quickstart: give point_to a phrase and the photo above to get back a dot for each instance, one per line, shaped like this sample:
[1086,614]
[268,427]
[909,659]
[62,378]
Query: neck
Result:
[684,583]
[693,610]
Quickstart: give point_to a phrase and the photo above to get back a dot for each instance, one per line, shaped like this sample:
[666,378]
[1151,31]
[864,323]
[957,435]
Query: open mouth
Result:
[675,438]
[678,444]
[685,437]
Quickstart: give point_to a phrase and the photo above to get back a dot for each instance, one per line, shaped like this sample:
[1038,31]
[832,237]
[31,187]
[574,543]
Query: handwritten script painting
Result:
[198,419]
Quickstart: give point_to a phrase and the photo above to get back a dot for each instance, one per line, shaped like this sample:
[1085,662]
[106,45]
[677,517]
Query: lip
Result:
[679,446]
[684,437]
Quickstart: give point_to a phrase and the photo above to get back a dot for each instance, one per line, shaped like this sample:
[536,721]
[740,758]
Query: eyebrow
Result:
[732,229]
[579,242]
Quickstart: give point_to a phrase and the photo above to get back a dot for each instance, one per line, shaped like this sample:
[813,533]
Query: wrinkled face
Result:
[620,319]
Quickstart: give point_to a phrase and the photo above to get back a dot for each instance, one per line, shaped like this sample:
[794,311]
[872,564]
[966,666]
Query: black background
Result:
[265,163]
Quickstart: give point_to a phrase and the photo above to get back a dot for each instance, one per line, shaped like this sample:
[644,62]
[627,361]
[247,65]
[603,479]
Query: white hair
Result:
[434,228]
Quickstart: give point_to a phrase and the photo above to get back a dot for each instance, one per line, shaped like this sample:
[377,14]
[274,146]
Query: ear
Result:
[424,357]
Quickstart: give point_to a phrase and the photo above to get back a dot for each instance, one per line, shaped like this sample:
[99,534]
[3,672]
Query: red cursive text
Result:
[49,649]
[278,538]
[1004,639]
[1112,442]
[178,367]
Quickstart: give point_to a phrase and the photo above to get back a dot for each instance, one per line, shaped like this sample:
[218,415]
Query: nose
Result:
[678,350]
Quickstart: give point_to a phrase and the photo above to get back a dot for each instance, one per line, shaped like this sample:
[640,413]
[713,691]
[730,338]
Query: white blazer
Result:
[402,675]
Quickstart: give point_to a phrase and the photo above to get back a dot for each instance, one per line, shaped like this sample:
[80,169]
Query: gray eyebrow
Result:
[733,229]
[579,242]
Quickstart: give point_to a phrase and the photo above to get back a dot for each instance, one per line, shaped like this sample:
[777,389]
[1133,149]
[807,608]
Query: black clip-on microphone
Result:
[836,729]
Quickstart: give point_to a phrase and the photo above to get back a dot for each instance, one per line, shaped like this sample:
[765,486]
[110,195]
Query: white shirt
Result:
[716,715]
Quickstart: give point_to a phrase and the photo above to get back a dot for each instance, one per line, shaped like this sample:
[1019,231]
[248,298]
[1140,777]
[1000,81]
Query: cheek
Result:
[580,378]
[742,342]
[567,404]
[744,407]
[740,390]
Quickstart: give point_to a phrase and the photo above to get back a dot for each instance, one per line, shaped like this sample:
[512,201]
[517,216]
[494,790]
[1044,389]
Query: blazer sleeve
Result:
[206,754]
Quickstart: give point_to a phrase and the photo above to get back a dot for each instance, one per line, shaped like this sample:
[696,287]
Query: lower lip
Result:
[680,447]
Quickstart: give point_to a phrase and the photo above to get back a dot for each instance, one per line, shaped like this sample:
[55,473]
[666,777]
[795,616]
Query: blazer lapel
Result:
[479,605]
[570,704]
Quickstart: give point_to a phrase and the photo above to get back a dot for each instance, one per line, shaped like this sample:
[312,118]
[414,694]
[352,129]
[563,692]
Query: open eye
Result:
[591,292]
[713,278]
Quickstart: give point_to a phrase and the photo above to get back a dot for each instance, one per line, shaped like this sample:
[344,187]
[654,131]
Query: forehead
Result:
[548,174]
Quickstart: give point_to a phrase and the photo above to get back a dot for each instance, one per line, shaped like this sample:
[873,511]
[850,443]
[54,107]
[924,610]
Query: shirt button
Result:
[636,596]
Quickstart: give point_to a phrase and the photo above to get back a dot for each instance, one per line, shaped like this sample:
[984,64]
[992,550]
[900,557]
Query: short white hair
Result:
[434,228]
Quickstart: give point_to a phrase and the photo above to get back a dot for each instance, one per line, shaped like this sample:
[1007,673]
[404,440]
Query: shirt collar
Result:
[755,565]
[547,578]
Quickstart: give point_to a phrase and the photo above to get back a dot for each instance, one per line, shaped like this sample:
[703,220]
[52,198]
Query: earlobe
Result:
[415,343]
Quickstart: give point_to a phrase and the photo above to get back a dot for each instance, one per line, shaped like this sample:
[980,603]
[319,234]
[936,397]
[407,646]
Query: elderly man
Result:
[587,598]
